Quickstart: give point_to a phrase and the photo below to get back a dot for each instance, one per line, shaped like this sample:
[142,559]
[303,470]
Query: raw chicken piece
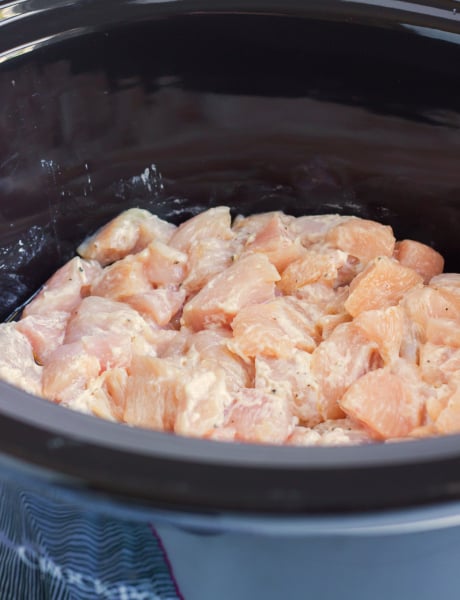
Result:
[150,392]
[64,291]
[304,436]
[105,396]
[438,363]
[383,283]
[160,305]
[128,233]
[448,285]
[342,431]
[221,434]
[206,259]
[211,348]
[424,303]
[274,329]
[385,327]
[213,377]
[448,419]
[328,300]
[248,281]
[122,279]
[17,364]
[337,432]
[437,403]
[276,241]
[163,264]
[96,316]
[215,223]
[312,229]
[291,378]
[327,323]
[112,350]
[113,330]
[341,359]
[411,340]
[384,403]
[247,228]
[261,418]
[447,281]
[348,271]
[313,267]
[420,257]
[202,399]
[444,332]
[68,372]
[45,332]
[366,240]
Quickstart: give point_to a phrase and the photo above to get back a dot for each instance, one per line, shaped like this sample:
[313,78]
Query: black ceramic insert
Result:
[179,106]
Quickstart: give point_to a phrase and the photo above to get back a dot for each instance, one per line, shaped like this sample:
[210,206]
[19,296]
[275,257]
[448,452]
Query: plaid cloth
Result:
[50,550]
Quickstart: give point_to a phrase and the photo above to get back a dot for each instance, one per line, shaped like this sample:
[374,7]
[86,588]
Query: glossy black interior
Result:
[177,110]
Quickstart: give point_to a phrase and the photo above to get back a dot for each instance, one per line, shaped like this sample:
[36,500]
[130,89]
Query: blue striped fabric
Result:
[55,551]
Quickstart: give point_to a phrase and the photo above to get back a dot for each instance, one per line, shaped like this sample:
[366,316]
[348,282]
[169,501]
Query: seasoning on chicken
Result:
[308,331]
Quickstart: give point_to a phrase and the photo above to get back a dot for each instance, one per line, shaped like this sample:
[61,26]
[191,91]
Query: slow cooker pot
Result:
[175,106]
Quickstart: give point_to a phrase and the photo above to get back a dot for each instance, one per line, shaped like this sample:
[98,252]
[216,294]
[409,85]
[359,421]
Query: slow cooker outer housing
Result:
[308,107]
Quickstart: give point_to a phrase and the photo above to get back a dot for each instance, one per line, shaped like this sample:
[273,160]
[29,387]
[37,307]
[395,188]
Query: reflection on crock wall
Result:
[79,128]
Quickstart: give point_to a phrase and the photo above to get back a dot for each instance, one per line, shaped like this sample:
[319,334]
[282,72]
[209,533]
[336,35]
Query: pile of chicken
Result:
[274,329]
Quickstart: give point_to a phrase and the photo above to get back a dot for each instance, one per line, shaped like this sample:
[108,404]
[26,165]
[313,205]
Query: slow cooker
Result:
[350,107]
